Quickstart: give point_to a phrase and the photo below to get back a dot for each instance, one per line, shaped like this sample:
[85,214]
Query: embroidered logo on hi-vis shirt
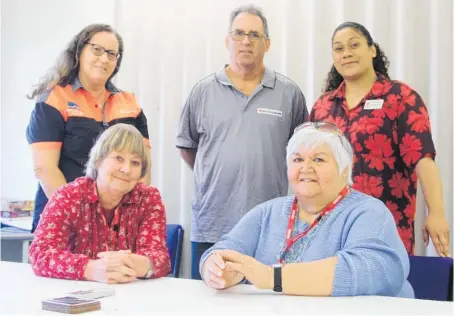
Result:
[73,106]
[269,112]
[74,110]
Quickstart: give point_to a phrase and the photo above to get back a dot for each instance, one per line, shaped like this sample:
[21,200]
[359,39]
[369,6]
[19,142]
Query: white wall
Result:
[0,107]
[170,45]
[33,34]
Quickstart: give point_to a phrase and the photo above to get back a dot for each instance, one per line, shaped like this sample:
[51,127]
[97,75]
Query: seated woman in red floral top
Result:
[107,226]
[386,122]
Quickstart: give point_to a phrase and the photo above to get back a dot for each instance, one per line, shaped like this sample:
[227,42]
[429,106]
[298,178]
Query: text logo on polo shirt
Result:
[269,112]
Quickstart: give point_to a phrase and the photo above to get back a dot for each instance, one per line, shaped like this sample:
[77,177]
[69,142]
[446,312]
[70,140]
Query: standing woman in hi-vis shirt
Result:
[387,123]
[75,102]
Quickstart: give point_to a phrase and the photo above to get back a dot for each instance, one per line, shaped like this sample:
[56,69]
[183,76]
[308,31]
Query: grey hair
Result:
[311,137]
[119,137]
[250,9]
[68,63]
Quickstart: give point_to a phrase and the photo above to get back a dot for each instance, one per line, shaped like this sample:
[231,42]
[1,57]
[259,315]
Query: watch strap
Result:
[277,278]
[150,272]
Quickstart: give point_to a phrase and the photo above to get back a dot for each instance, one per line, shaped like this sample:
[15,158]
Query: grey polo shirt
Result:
[240,142]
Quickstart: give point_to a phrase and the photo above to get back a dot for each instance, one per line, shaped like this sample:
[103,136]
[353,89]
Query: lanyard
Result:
[289,240]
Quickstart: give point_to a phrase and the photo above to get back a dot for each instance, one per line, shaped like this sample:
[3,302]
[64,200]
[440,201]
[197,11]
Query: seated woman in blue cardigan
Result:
[326,240]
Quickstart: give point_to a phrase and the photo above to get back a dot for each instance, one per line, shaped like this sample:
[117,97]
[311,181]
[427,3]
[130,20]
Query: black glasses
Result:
[238,35]
[99,50]
[323,126]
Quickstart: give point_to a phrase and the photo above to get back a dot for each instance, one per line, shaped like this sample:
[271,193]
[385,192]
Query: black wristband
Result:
[277,279]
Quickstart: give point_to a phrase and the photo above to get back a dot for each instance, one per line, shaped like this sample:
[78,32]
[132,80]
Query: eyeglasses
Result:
[253,37]
[328,128]
[323,126]
[99,50]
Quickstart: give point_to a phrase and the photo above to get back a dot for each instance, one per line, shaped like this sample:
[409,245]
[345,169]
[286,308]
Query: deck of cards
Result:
[71,305]
[78,302]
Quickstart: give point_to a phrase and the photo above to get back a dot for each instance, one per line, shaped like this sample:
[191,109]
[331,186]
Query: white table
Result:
[21,293]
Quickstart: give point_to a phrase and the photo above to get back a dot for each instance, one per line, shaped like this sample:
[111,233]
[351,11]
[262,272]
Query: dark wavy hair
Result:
[67,66]
[380,62]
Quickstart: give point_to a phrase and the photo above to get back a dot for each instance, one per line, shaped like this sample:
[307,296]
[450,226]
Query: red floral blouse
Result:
[388,142]
[73,230]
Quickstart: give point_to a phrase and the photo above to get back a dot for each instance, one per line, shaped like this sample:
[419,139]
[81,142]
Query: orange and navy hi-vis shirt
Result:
[68,118]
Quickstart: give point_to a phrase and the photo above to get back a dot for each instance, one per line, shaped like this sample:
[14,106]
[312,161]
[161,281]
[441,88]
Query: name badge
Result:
[269,112]
[373,104]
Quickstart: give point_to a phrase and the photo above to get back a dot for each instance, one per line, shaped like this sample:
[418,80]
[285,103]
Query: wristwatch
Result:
[150,272]
[277,277]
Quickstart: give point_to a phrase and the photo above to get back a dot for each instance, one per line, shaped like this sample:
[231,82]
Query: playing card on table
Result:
[93,294]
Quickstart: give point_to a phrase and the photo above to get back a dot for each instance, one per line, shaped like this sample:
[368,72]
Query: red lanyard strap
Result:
[289,240]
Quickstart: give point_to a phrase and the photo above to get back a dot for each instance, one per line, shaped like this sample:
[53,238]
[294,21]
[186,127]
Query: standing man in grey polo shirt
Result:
[233,132]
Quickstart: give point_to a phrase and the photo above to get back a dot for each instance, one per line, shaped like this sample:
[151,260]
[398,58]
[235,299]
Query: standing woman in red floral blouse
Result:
[387,123]
[107,226]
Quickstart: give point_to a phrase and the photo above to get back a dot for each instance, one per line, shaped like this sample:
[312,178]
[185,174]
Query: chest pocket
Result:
[80,136]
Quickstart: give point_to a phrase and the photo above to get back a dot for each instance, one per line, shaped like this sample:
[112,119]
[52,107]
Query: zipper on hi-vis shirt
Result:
[104,121]
[269,112]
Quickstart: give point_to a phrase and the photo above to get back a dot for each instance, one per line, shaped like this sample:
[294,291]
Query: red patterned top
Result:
[72,230]
[388,143]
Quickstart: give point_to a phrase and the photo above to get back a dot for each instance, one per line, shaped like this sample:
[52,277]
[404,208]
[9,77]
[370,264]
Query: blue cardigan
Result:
[360,231]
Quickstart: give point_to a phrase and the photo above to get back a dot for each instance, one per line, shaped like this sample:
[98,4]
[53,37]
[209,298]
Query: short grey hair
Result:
[311,137]
[119,137]
[250,9]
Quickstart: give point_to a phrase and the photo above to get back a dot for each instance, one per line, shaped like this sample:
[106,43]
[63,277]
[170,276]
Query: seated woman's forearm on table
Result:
[369,270]
[368,264]
[157,257]
[355,271]
[54,262]
[151,240]
[309,278]
[48,254]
